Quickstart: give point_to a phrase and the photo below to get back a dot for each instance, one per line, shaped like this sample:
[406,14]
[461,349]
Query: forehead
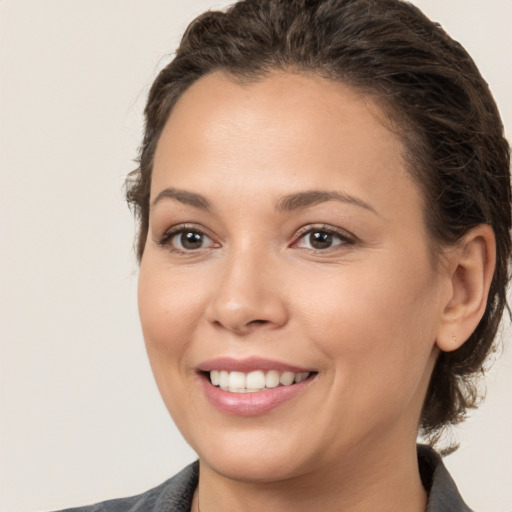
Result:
[276,134]
[284,104]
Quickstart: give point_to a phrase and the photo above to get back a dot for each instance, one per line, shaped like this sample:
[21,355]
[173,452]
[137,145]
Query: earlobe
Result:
[471,270]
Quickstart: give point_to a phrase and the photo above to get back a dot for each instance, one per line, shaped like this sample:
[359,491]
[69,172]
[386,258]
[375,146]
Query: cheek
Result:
[168,311]
[373,319]
[169,314]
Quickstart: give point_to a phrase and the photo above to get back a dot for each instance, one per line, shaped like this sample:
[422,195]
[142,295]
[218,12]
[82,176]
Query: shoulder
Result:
[174,495]
[443,493]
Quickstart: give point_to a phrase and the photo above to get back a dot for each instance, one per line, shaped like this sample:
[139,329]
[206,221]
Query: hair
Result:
[429,88]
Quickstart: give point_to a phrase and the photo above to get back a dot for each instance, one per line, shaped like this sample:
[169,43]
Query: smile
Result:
[252,386]
[255,381]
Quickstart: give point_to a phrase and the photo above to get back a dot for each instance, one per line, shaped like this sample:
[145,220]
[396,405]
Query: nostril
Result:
[252,323]
[258,322]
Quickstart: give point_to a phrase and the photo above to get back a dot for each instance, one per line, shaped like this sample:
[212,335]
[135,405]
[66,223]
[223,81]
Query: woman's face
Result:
[287,241]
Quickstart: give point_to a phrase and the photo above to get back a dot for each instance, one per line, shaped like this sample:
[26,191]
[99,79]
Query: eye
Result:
[186,240]
[319,239]
[189,240]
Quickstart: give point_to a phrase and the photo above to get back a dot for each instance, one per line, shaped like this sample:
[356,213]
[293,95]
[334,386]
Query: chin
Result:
[253,458]
[264,468]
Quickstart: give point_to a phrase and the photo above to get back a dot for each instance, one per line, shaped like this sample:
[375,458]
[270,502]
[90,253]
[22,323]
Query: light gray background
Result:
[81,419]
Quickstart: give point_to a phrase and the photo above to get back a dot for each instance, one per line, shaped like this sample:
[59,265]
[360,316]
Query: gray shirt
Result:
[175,495]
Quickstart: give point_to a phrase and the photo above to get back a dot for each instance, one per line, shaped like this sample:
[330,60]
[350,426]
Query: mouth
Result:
[253,386]
[255,381]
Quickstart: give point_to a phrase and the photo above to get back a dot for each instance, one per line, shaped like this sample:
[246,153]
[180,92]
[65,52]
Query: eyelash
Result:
[346,238]
[166,238]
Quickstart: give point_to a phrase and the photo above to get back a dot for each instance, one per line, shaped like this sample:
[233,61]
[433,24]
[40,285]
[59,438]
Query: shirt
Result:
[175,495]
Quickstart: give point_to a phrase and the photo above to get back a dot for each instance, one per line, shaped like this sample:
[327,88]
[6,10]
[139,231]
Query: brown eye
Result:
[190,240]
[322,239]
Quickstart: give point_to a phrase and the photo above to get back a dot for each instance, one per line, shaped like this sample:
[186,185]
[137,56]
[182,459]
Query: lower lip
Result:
[251,404]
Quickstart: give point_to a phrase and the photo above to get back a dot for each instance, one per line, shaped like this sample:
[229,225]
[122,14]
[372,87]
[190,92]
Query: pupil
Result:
[321,240]
[191,240]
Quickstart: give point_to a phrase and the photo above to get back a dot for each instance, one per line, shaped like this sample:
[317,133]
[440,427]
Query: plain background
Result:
[81,418]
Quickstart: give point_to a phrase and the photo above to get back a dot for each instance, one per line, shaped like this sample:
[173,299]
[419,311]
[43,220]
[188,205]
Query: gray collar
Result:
[443,495]
[175,495]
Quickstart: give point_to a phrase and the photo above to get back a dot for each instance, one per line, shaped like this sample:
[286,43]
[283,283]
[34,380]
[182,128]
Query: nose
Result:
[249,294]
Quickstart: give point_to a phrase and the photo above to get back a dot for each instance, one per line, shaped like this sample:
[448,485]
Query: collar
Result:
[175,495]
[443,495]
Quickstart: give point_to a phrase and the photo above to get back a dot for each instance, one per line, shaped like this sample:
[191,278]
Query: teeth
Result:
[287,378]
[239,382]
[236,381]
[224,380]
[272,379]
[301,376]
[255,380]
[214,377]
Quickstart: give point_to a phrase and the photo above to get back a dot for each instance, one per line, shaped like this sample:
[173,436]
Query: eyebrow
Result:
[309,198]
[287,203]
[183,196]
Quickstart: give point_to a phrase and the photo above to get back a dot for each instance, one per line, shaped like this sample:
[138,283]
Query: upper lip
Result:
[248,364]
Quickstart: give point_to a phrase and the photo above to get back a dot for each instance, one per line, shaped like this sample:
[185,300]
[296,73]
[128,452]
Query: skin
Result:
[369,313]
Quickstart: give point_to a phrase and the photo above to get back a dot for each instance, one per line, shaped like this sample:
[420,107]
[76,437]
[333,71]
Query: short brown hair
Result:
[429,87]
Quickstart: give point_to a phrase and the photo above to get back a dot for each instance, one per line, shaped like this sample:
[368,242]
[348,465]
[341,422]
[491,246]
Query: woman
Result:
[324,205]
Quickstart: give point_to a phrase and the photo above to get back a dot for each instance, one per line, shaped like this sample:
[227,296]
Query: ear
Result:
[471,268]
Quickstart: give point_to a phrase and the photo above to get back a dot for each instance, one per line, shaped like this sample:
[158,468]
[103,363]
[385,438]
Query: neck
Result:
[384,480]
